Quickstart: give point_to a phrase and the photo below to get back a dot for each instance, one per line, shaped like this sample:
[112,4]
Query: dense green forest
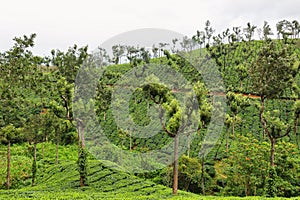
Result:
[50,141]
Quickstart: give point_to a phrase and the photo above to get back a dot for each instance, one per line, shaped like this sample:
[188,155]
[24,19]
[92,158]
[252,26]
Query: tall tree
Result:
[18,79]
[34,133]
[271,74]
[266,31]
[249,31]
[296,28]
[8,135]
[285,29]
[68,64]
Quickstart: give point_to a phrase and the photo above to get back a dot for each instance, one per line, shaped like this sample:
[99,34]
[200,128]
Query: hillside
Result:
[228,128]
[106,180]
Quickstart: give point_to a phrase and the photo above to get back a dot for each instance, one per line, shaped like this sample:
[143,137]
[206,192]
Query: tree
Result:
[266,31]
[296,28]
[285,29]
[19,76]
[35,133]
[209,31]
[118,51]
[249,31]
[8,135]
[68,64]
[271,74]
[199,38]
[236,103]
[177,118]
[237,31]
[162,96]
[189,173]
[245,167]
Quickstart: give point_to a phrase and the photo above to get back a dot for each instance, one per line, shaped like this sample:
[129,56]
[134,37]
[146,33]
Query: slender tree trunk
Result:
[188,145]
[272,157]
[272,139]
[34,151]
[247,188]
[202,177]
[80,131]
[8,166]
[175,168]
[261,112]
[81,184]
[81,145]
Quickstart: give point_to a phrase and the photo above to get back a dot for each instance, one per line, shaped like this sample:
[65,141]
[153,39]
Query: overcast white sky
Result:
[62,23]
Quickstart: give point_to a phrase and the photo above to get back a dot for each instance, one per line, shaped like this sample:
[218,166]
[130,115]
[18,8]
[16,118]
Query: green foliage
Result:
[271,189]
[274,69]
[246,167]
[34,168]
[37,102]
[83,165]
[247,171]
[189,174]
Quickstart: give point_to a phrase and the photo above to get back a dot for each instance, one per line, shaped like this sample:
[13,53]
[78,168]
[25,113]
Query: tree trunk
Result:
[188,145]
[79,140]
[261,112]
[81,181]
[202,177]
[272,157]
[81,146]
[247,187]
[175,168]
[34,151]
[81,133]
[8,166]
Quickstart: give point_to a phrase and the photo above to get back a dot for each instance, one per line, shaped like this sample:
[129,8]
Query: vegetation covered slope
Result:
[257,153]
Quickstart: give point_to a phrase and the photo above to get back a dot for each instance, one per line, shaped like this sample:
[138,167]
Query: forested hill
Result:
[47,147]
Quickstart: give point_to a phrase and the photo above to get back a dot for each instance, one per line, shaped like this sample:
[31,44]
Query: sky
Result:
[61,23]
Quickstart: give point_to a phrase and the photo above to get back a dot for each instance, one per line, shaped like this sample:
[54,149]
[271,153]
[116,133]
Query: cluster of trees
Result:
[37,106]
[36,100]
